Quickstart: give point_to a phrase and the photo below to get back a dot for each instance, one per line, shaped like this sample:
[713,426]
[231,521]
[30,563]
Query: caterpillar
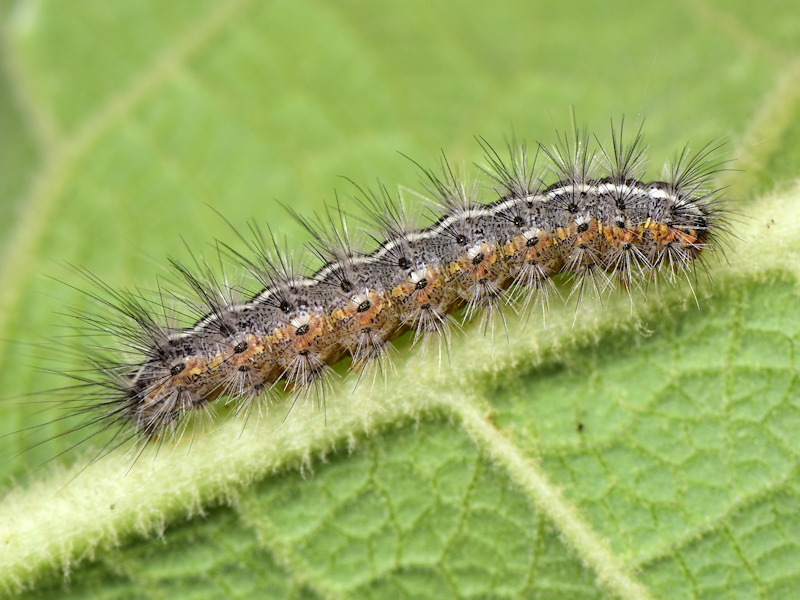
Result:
[574,208]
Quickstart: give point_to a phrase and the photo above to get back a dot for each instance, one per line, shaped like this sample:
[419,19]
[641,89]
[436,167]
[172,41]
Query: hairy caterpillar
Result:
[585,212]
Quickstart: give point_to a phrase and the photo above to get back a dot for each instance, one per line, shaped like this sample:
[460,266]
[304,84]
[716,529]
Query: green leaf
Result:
[639,452]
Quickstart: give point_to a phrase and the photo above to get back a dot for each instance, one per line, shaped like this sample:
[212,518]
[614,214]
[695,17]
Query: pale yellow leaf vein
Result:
[576,532]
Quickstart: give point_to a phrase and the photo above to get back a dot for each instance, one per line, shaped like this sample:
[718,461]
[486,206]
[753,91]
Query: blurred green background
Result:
[125,125]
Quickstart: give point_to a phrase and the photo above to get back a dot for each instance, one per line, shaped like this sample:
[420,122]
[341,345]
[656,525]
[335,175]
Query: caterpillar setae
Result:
[572,208]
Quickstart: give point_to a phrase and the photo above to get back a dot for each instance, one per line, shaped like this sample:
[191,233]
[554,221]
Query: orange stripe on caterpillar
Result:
[598,220]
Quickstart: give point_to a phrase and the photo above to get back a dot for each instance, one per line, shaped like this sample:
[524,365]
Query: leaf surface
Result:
[614,452]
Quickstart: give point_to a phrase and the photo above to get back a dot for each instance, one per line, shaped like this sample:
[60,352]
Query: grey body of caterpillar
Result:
[354,305]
